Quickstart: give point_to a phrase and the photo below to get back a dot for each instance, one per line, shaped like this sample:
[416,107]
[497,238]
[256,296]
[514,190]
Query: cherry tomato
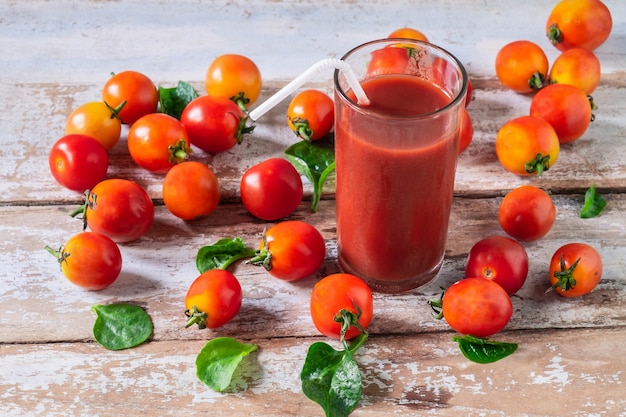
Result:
[408,33]
[527,213]
[476,306]
[213,299]
[575,269]
[578,67]
[214,124]
[271,189]
[566,108]
[119,209]
[389,60]
[235,77]
[136,89]
[527,145]
[338,292]
[311,114]
[579,24]
[97,120]
[499,259]
[522,66]
[157,142]
[89,260]
[78,162]
[294,250]
[467,131]
[190,190]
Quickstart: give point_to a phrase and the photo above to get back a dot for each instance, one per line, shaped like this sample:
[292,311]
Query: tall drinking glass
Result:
[396,161]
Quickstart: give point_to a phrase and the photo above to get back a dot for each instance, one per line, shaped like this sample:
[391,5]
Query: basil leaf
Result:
[222,254]
[218,360]
[315,160]
[121,326]
[174,100]
[594,204]
[481,350]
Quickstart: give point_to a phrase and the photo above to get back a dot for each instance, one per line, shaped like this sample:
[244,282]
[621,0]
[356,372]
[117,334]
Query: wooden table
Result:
[57,55]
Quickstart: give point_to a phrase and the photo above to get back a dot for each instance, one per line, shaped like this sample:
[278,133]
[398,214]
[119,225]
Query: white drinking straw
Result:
[324,64]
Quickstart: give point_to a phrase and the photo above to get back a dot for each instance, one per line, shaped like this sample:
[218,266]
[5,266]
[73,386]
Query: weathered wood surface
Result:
[56,56]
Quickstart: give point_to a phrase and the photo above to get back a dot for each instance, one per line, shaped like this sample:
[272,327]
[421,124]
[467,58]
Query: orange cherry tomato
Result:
[467,131]
[235,77]
[578,67]
[527,145]
[311,114]
[408,33]
[579,24]
[527,213]
[575,269]
[565,107]
[190,190]
[134,88]
[522,66]
[213,299]
[95,119]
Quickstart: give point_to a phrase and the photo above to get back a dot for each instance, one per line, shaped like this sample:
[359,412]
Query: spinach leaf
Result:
[222,254]
[121,326]
[594,204]
[218,360]
[481,350]
[315,160]
[174,100]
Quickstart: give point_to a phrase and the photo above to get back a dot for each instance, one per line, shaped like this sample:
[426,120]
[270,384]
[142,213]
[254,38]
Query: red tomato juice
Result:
[395,168]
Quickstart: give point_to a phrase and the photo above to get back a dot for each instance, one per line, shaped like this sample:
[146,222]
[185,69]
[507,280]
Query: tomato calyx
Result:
[536,81]
[243,128]
[437,306]
[89,201]
[263,256]
[179,152]
[115,111]
[538,165]
[302,128]
[565,280]
[196,317]
[348,319]
[241,101]
[554,34]
[60,253]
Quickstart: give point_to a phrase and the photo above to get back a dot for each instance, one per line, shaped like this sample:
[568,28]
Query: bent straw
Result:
[288,89]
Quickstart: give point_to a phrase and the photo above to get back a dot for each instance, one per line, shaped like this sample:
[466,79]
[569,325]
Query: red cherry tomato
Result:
[213,299]
[499,259]
[311,114]
[476,306]
[527,213]
[214,124]
[119,209]
[78,162]
[97,120]
[578,67]
[89,260]
[190,190]
[235,77]
[579,24]
[467,131]
[389,60]
[575,269]
[271,189]
[522,66]
[134,88]
[295,250]
[157,142]
[338,292]
[565,107]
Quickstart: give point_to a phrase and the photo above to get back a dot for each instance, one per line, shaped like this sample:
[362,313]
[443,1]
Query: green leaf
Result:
[174,100]
[482,350]
[121,326]
[222,254]
[315,160]
[594,203]
[218,360]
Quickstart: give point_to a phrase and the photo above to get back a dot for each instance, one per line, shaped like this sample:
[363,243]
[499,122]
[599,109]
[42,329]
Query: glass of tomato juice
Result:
[396,161]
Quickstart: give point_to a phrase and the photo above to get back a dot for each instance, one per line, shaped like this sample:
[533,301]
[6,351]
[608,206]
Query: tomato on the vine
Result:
[566,108]
[522,66]
[98,120]
[214,124]
[291,250]
[579,23]
[341,300]
[271,189]
[527,213]
[467,130]
[139,93]
[527,145]
[78,162]
[190,190]
[157,142]
[575,269]
[311,114]
[89,260]
[234,77]
[117,208]
[578,67]
[499,259]
[477,307]
[213,299]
